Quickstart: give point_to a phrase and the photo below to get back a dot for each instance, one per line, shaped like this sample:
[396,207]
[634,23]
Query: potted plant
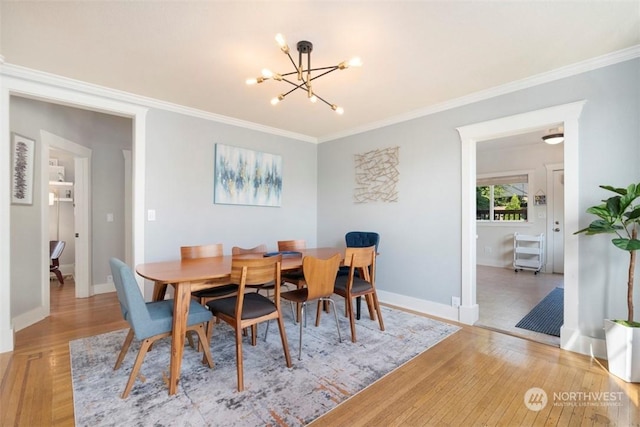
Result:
[618,215]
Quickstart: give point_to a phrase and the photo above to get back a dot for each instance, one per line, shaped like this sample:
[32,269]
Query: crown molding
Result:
[41,77]
[557,74]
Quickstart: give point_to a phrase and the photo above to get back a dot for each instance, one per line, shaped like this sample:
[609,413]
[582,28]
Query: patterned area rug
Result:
[328,374]
[547,316]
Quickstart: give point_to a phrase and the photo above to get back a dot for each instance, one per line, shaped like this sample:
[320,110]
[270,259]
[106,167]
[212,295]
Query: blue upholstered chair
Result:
[151,321]
[359,239]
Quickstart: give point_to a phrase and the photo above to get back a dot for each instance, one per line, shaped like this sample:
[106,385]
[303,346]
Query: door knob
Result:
[556,229]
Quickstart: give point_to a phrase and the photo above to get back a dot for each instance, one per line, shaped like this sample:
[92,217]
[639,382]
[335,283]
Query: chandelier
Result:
[303,75]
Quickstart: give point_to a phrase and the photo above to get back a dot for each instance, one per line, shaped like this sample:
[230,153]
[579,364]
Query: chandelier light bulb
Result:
[254,80]
[313,98]
[338,110]
[355,62]
[277,99]
[282,43]
[266,73]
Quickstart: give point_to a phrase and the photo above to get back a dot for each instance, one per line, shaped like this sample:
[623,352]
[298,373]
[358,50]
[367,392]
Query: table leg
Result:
[159,291]
[181,303]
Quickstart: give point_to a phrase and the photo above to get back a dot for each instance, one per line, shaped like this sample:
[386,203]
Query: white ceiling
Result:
[416,54]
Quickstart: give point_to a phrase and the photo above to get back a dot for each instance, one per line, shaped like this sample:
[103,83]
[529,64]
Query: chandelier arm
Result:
[323,100]
[292,61]
[332,68]
[297,86]
[326,72]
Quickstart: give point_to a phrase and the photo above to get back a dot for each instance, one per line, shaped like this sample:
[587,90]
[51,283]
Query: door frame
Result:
[19,81]
[566,115]
[82,211]
[550,249]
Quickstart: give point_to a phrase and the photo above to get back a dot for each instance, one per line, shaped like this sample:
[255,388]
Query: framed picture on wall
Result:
[23,157]
[247,177]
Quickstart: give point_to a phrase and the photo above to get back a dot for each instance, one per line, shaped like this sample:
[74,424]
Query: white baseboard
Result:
[103,288]
[422,306]
[6,340]
[29,318]
[570,339]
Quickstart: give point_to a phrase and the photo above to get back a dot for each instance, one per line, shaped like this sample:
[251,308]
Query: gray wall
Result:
[180,154]
[104,134]
[420,235]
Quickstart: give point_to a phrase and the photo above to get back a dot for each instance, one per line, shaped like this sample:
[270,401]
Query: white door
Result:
[558,221]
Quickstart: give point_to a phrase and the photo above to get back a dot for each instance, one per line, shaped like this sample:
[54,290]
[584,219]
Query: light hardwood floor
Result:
[476,377]
[505,297]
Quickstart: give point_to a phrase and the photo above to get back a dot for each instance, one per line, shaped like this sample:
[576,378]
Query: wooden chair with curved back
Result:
[295,277]
[320,276]
[353,285]
[207,251]
[246,310]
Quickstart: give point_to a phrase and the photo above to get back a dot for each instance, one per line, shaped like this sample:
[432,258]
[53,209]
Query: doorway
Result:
[80,193]
[514,168]
[566,115]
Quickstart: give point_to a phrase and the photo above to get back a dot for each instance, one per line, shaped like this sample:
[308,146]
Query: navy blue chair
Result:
[359,239]
[151,321]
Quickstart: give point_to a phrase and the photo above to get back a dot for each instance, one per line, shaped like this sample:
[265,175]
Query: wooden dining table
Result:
[190,275]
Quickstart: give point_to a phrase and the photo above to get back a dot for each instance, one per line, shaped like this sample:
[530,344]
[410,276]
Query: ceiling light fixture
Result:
[553,138]
[303,76]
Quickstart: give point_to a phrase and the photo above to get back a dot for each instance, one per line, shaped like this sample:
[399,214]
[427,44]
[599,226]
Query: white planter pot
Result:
[623,351]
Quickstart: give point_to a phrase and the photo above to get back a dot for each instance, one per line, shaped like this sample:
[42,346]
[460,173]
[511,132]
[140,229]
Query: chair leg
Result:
[370,306]
[58,274]
[352,321]
[239,364]
[283,338]
[303,313]
[136,366]
[322,304]
[204,343]
[376,303]
[123,351]
[335,314]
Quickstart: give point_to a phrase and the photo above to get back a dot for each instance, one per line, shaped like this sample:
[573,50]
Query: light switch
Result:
[151,215]
[109,217]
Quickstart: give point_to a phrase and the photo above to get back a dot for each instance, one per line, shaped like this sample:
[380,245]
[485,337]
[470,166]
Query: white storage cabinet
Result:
[528,252]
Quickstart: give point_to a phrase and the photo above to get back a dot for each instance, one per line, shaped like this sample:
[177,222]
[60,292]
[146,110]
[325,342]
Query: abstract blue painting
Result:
[247,177]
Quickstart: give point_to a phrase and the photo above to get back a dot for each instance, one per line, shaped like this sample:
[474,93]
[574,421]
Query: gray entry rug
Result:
[329,373]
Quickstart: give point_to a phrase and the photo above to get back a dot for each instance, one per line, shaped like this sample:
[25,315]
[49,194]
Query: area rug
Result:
[329,373]
[548,316]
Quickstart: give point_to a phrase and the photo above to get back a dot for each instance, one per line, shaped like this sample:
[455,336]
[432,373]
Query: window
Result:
[502,198]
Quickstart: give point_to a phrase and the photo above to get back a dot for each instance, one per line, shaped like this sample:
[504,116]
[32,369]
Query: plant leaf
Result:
[627,244]
[621,191]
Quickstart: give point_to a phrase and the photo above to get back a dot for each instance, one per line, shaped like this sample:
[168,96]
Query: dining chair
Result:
[353,285]
[151,321]
[359,239]
[260,249]
[207,251]
[320,276]
[55,251]
[244,310]
[295,277]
